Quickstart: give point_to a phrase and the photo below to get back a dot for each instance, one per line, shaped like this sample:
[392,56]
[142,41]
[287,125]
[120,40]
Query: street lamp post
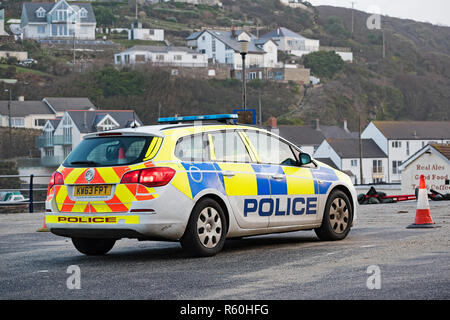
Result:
[243,50]
[9,117]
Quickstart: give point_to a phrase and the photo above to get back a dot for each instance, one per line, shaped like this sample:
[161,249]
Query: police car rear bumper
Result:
[115,226]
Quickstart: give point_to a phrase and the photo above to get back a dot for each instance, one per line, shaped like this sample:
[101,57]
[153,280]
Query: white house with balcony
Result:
[58,20]
[291,42]
[345,155]
[401,139]
[161,56]
[60,136]
[223,47]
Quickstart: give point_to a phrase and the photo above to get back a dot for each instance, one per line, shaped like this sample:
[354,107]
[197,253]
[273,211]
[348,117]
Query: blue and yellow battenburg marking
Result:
[253,179]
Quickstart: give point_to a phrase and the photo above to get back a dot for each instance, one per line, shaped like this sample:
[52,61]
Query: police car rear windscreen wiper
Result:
[93,163]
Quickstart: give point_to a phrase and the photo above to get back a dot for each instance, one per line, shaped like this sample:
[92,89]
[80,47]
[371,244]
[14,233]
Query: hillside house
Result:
[61,135]
[58,20]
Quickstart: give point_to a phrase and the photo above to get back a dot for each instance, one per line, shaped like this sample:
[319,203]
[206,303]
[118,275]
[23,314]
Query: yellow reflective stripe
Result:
[154,150]
[212,153]
[151,147]
[253,154]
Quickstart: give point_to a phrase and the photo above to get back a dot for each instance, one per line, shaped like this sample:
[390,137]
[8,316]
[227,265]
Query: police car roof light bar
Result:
[214,117]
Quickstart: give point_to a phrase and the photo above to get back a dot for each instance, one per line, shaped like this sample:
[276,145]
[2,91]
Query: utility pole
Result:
[360,152]
[353,17]
[260,107]
[384,46]
[136,10]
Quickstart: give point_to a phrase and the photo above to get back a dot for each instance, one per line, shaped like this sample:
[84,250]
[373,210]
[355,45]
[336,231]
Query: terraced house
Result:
[58,20]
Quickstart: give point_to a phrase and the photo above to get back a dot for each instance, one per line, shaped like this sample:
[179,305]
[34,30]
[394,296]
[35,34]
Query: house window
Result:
[139,58]
[83,13]
[127,58]
[377,166]
[194,57]
[213,45]
[49,152]
[39,122]
[61,15]
[40,29]
[396,167]
[17,122]
[40,13]
[203,38]
[177,57]
[119,59]
[108,124]
[354,163]
[151,32]
[252,75]
[160,57]
[396,144]
[407,148]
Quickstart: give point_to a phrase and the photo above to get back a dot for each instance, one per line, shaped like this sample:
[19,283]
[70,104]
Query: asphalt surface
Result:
[413,263]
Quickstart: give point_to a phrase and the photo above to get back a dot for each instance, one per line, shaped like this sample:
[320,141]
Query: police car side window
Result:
[228,147]
[271,149]
[192,148]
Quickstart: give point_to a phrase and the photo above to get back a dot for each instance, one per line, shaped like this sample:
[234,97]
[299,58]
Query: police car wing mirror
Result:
[304,159]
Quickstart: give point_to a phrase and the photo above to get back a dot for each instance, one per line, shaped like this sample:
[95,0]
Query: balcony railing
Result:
[52,161]
[48,142]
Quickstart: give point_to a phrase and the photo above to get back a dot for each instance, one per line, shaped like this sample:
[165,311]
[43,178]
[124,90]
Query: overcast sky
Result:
[434,11]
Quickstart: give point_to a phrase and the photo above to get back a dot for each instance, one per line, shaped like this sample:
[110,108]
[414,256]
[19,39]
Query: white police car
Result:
[194,182]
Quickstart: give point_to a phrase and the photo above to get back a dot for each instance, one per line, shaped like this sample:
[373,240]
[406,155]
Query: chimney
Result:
[316,124]
[233,32]
[272,122]
[21,98]
[345,125]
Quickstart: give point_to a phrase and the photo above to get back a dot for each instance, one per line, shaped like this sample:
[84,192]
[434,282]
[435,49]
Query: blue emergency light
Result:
[216,117]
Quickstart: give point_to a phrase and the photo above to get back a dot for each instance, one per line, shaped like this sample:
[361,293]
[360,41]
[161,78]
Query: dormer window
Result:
[83,13]
[40,13]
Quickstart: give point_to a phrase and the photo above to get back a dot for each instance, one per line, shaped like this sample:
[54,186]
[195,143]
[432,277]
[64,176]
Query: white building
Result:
[433,161]
[138,33]
[344,153]
[61,135]
[163,56]
[291,42]
[2,23]
[58,20]
[34,114]
[401,139]
[223,47]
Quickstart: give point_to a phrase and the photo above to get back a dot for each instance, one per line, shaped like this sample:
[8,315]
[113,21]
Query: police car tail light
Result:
[56,179]
[150,177]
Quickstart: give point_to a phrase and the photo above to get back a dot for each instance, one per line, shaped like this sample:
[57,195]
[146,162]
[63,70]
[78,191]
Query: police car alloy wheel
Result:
[93,247]
[337,218]
[206,230]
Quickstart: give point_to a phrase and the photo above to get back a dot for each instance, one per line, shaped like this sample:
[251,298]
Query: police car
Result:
[196,180]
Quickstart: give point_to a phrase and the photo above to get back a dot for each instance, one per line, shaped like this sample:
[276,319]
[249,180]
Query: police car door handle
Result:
[228,174]
[278,176]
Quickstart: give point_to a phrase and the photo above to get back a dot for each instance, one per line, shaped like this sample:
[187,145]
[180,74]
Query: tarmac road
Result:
[413,263]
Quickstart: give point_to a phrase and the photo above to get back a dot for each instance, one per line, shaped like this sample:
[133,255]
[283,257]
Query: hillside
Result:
[411,82]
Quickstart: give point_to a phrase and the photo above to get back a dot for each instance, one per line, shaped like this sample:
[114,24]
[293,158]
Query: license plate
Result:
[98,190]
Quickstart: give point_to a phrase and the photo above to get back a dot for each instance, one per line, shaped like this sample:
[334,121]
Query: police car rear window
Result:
[108,151]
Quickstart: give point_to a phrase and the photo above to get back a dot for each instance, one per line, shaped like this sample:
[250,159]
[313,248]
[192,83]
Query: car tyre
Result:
[93,247]
[206,230]
[337,218]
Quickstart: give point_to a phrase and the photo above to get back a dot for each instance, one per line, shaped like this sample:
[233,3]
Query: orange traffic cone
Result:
[423,217]
[44,228]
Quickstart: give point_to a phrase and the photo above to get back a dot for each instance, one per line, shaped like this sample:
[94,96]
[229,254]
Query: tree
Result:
[324,64]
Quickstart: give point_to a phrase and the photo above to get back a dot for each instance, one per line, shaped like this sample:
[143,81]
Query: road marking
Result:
[369,246]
